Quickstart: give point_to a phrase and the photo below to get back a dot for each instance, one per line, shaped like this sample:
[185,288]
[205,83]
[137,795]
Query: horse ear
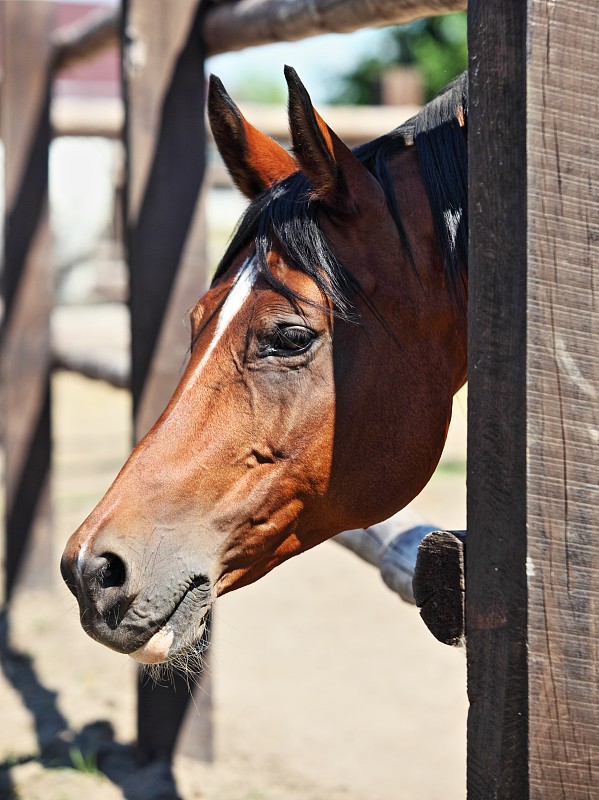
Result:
[336,174]
[254,160]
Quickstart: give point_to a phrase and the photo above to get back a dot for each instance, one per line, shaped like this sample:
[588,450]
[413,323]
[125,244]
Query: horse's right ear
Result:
[254,160]
[337,176]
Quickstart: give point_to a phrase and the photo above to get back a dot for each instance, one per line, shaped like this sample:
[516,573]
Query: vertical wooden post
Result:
[165,139]
[532,599]
[26,289]
[496,557]
[563,399]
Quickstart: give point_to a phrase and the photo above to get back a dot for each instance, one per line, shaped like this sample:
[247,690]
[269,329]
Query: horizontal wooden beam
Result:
[236,25]
[111,373]
[247,23]
[392,546]
[104,116]
[354,124]
[86,37]
[98,116]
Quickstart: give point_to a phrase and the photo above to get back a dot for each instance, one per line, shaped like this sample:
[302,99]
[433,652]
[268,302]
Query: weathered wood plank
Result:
[532,574]
[392,547]
[109,372]
[26,289]
[164,84]
[439,585]
[563,399]
[235,25]
[495,566]
[165,140]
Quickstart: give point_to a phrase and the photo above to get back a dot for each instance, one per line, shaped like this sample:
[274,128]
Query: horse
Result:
[318,391]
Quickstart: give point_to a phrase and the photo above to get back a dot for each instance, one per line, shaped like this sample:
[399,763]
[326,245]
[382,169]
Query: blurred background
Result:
[323,684]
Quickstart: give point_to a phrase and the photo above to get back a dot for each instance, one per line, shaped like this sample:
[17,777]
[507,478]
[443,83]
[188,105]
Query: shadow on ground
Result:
[92,749]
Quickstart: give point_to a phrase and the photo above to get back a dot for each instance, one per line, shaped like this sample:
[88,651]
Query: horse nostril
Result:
[112,572]
[109,575]
[68,576]
[100,584]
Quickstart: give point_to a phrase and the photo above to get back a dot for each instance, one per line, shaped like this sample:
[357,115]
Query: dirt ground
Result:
[325,686]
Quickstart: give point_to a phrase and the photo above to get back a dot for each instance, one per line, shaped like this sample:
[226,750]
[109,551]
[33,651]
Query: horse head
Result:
[317,394]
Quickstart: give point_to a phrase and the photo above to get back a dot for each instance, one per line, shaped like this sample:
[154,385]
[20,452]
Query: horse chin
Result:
[170,643]
[156,649]
[183,633]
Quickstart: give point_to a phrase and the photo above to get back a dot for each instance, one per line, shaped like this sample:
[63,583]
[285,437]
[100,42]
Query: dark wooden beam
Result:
[496,612]
[87,37]
[165,136]
[165,141]
[439,585]
[26,290]
[247,23]
[532,605]
[109,372]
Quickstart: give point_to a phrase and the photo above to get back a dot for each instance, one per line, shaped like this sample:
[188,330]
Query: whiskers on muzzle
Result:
[189,661]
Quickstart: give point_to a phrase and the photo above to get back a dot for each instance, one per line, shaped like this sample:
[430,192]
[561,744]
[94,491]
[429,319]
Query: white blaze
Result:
[239,293]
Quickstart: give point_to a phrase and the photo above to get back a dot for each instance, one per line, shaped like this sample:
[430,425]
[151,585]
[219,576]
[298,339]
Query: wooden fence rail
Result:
[110,373]
[247,23]
[86,38]
[239,24]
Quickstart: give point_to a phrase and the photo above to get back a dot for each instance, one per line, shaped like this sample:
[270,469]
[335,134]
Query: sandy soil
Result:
[325,685]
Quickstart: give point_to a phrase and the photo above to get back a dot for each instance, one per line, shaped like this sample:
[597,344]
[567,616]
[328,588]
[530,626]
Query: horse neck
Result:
[438,303]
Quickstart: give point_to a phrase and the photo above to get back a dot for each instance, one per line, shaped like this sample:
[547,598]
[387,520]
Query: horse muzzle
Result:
[154,615]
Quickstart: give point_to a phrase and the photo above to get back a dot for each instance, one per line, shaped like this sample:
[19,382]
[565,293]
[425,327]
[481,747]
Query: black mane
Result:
[286,213]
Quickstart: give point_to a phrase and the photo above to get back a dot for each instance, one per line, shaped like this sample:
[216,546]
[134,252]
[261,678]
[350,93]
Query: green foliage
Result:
[437,46]
[362,86]
[84,762]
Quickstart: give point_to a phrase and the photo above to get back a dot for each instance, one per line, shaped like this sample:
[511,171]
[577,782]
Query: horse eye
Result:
[287,341]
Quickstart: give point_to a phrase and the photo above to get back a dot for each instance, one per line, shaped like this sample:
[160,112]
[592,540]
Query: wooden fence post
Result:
[532,570]
[165,138]
[27,290]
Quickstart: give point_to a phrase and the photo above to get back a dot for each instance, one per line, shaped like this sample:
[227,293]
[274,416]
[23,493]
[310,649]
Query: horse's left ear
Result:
[337,175]
[254,160]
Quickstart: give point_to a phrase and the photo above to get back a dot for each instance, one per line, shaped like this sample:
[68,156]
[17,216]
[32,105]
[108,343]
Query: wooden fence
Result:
[532,601]
[532,588]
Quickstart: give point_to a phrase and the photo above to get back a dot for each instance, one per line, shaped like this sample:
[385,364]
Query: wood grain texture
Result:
[439,585]
[563,399]
[532,575]
[495,566]
[235,25]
